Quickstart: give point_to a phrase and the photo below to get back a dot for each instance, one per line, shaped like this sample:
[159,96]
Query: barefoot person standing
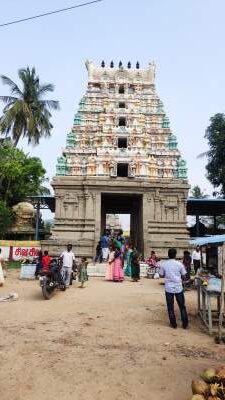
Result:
[173,271]
[67,259]
[82,271]
[196,259]
[135,265]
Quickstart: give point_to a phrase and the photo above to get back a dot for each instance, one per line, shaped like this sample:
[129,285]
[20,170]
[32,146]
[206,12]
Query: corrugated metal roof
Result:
[208,240]
[205,206]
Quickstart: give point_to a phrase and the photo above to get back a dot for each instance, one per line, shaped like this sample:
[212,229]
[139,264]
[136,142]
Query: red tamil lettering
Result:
[18,251]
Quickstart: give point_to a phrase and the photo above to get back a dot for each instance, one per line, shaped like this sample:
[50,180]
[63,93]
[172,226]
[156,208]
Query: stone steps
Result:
[99,270]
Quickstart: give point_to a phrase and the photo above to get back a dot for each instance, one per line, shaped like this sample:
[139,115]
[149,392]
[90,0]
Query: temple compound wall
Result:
[120,157]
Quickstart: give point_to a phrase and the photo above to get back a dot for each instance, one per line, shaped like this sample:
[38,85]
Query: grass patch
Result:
[13,264]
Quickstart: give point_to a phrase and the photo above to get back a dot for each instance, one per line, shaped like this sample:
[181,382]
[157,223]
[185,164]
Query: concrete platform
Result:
[99,270]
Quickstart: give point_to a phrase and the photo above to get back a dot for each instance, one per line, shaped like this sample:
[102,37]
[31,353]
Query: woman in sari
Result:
[110,267]
[129,253]
[135,266]
[118,275]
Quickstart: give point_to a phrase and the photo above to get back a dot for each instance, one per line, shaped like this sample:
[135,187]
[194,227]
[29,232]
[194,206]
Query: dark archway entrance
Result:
[119,203]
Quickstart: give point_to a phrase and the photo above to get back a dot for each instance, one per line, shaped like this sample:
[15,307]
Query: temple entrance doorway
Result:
[116,222]
[120,203]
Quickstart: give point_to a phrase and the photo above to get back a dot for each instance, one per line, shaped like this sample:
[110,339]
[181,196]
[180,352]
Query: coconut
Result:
[221,374]
[213,398]
[220,368]
[214,389]
[208,375]
[199,387]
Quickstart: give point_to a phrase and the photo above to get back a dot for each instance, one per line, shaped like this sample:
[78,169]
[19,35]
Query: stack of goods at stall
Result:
[211,386]
[213,282]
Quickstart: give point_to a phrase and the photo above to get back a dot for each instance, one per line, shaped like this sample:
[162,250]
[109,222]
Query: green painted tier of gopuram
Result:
[121,118]
[120,156]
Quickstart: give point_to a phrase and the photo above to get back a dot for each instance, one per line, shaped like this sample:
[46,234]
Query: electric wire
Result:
[50,13]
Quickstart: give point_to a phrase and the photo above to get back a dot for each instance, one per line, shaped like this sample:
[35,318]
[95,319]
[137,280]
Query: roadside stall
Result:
[209,282]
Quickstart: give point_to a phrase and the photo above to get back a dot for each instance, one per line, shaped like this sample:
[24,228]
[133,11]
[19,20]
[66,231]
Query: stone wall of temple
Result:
[120,143]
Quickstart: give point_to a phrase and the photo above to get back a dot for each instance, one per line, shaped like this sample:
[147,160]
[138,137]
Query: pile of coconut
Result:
[211,386]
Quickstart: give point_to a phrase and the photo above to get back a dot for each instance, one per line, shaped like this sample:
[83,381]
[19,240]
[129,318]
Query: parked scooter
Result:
[52,280]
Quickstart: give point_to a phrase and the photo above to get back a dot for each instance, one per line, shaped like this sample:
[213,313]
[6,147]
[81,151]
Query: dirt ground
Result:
[109,341]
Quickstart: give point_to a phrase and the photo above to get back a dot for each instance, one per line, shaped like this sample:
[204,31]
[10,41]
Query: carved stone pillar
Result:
[88,205]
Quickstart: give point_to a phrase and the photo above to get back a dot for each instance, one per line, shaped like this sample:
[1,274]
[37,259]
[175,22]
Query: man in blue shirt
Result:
[173,271]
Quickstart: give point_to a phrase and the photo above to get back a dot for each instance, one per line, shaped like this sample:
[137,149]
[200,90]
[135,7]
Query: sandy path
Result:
[106,342]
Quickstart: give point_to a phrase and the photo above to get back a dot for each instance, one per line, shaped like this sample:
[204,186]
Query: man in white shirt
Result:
[196,259]
[68,259]
[173,271]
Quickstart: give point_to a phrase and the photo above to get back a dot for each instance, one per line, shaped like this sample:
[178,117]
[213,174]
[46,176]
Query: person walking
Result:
[105,245]
[129,253]
[98,254]
[2,279]
[196,259]
[67,259]
[173,271]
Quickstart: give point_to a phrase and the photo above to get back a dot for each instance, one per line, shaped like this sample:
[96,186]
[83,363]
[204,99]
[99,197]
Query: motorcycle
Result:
[52,280]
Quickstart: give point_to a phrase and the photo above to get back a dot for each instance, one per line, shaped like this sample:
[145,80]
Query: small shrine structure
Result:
[120,157]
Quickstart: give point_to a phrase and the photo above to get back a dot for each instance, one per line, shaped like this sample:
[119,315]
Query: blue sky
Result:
[184,38]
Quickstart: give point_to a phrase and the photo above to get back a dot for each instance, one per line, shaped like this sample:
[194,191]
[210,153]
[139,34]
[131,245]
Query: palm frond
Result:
[7,99]
[14,88]
[51,104]
[45,88]
[204,154]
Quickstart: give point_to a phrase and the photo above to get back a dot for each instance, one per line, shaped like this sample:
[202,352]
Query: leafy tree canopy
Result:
[20,175]
[26,112]
[6,219]
[215,134]
[198,193]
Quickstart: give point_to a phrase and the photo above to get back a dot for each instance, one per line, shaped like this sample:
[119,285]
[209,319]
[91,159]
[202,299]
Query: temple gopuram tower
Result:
[120,157]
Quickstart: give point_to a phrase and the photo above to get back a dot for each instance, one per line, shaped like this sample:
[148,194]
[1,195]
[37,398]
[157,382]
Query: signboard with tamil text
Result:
[24,252]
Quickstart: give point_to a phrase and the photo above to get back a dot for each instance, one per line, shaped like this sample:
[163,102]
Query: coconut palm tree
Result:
[26,112]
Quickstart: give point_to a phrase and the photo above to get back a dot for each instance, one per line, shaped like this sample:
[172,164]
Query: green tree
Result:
[20,175]
[48,225]
[215,134]
[6,219]
[26,112]
[198,193]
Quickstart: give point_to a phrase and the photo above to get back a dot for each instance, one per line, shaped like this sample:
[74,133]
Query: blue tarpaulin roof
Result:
[208,240]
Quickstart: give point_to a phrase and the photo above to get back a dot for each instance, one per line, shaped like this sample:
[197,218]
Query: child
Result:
[82,271]
[46,260]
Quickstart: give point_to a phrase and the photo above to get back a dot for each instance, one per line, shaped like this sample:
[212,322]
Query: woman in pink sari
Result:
[110,267]
[118,275]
